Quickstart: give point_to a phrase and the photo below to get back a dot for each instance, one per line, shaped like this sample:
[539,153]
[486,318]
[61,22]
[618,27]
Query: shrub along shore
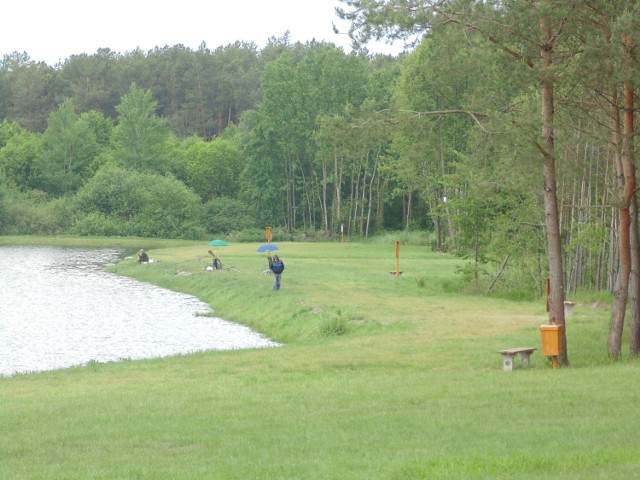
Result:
[377,377]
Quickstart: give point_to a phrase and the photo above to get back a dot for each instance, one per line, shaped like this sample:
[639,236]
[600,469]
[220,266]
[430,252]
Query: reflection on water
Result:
[59,309]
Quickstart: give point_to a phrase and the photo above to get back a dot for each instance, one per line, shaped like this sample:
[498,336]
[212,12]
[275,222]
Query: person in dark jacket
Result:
[277,267]
[142,256]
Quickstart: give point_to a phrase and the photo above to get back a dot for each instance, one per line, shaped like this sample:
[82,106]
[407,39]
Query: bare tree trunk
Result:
[504,264]
[354,200]
[289,175]
[362,202]
[634,245]
[554,241]
[436,231]
[373,176]
[324,204]
[583,208]
[629,253]
[407,218]
[308,194]
[631,191]
[380,190]
[614,252]
[443,171]
[568,218]
[621,289]
[600,266]
[627,187]
[337,171]
[350,220]
[634,280]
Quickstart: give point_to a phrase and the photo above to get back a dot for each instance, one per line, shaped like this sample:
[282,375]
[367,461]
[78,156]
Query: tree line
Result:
[197,117]
[507,130]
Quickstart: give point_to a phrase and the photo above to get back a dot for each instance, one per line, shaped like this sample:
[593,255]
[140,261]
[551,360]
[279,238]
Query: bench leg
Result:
[525,359]
[507,362]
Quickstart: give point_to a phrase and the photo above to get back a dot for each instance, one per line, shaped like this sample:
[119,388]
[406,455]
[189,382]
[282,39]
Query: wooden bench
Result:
[524,353]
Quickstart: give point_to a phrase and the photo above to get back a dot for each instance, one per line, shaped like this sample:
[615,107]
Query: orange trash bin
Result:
[552,344]
[551,340]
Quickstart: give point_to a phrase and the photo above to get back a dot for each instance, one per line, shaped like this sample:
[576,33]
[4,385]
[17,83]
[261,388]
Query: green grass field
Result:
[377,378]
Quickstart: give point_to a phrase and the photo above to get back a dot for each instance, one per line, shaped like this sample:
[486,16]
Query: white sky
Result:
[53,30]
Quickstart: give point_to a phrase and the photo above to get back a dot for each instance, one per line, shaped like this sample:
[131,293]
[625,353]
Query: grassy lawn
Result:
[377,378]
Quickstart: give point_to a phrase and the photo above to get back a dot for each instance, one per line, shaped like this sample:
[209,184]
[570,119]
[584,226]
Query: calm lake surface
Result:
[58,309]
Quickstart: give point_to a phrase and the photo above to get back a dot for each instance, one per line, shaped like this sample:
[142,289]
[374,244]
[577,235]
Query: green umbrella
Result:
[218,243]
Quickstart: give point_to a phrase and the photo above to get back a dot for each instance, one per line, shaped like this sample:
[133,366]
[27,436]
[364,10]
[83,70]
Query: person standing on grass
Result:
[277,267]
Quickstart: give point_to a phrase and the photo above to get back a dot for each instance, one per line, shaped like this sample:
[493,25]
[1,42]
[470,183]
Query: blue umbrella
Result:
[267,247]
[218,243]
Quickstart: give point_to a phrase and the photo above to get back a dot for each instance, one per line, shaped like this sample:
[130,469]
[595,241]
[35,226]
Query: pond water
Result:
[59,308]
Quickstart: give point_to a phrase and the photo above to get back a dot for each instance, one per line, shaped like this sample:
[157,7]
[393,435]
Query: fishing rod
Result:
[200,260]
[158,264]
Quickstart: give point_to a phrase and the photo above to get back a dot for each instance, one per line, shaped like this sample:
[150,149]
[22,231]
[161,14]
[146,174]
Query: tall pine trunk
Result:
[634,240]
[626,184]
[554,241]
[627,282]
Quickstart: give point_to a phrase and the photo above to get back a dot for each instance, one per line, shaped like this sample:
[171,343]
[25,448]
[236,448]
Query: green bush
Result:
[31,214]
[99,224]
[333,326]
[134,203]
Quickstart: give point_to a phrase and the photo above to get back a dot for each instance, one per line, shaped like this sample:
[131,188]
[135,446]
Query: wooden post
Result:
[268,234]
[397,258]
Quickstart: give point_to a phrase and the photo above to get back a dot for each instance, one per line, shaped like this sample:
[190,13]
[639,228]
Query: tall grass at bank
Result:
[131,243]
[378,378]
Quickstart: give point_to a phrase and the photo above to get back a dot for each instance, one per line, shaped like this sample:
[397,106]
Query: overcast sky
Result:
[53,30]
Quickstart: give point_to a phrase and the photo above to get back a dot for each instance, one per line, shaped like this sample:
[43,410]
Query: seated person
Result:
[142,256]
[217,264]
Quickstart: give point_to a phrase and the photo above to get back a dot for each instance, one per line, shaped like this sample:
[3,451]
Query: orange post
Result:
[397,259]
[268,234]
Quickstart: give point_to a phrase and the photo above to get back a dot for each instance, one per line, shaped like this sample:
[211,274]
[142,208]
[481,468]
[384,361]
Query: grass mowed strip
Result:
[377,378]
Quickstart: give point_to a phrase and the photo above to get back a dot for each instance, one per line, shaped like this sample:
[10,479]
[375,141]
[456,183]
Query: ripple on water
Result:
[58,309]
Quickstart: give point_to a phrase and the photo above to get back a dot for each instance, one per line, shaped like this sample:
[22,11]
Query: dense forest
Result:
[507,130]
[174,142]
